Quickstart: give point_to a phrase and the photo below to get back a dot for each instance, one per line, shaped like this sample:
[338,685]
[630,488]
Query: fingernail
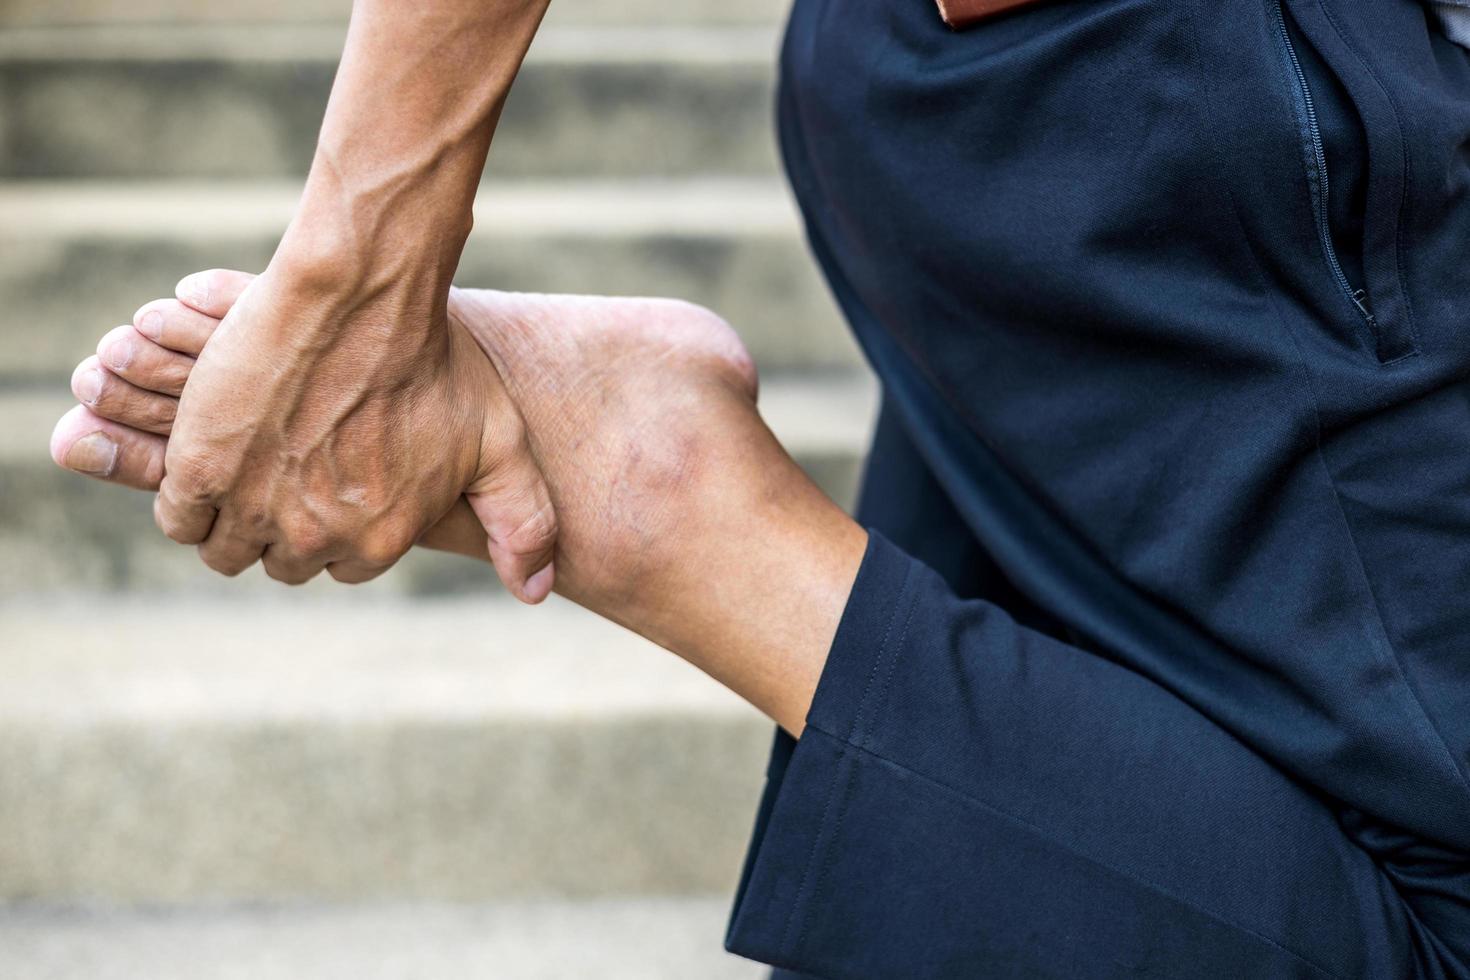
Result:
[150,325]
[89,385]
[118,355]
[193,290]
[94,454]
[538,586]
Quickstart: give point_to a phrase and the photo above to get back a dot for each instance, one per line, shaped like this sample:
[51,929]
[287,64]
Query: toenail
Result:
[89,385]
[94,454]
[193,290]
[118,355]
[150,325]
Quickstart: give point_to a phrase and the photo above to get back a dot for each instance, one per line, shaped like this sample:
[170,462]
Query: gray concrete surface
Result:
[82,12]
[209,778]
[638,939]
[77,258]
[186,101]
[266,750]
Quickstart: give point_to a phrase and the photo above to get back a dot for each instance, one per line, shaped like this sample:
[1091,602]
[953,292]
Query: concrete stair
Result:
[187,101]
[624,939]
[80,257]
[281,749]
[417,777]
[24,13]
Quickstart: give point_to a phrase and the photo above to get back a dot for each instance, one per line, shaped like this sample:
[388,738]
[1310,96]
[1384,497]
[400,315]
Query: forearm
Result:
[404,139]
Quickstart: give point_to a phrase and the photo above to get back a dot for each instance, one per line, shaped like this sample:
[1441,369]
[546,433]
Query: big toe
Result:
[86,443]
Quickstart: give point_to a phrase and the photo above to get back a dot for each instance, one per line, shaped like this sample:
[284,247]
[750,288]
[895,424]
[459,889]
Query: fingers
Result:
[213,291]
[174,326]
[86,443]
[355,572]
[515,509]
[135,358]
[113,398]
[227,549]
[285,567]
[184,509]
[459,531]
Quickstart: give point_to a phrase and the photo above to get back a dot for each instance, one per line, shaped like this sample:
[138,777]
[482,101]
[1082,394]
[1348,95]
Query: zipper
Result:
[1358,297]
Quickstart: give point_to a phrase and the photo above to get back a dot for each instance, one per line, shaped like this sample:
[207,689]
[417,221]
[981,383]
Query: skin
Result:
[682,517]
[333,419]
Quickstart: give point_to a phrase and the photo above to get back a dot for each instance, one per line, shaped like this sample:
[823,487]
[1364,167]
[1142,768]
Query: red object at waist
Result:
[963,13]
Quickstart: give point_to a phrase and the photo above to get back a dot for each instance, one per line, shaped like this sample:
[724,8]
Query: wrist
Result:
[352,237]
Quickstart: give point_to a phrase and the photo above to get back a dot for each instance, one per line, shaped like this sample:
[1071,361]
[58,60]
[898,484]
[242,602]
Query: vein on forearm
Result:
[407,129]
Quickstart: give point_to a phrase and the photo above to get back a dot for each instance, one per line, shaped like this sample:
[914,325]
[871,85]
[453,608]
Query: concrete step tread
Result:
[204,210]
[98,660]
[822,413]
[276,42]
[612,12]
[650,939]
[171,754]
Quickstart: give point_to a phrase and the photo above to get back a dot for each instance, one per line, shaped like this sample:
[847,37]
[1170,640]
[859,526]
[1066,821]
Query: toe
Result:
[213,291]
[172,325]
[84,442]
[135,358]
[110,397]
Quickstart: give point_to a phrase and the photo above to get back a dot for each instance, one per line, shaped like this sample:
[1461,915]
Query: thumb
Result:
[514,506]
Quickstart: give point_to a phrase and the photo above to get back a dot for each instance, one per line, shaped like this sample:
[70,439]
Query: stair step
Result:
[77,258]
[615,939]
[33,13]
[190,101]
[60,531]
[171,753]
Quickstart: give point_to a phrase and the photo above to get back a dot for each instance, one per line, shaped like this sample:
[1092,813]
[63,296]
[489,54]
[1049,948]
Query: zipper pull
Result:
[1360,300]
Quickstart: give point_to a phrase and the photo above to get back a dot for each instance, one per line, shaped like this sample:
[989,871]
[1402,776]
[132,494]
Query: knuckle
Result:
[307,539]
[353,574]
[383,547]
[162,411]
[172,528]
[226,565]
[288,574]
[191,481]
[382,551]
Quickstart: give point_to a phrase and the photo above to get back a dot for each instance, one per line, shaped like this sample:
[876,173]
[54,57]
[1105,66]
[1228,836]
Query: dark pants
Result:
[1166,669]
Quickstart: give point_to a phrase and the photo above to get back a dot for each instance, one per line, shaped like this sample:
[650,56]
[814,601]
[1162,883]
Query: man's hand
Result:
[316,432]
[334,419]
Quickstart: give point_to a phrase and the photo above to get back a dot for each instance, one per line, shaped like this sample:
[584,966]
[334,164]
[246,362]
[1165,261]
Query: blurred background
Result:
[204,778]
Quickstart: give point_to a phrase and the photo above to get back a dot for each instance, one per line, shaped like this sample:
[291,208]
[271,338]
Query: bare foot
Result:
[635,408]
[681,516]
[630,401]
